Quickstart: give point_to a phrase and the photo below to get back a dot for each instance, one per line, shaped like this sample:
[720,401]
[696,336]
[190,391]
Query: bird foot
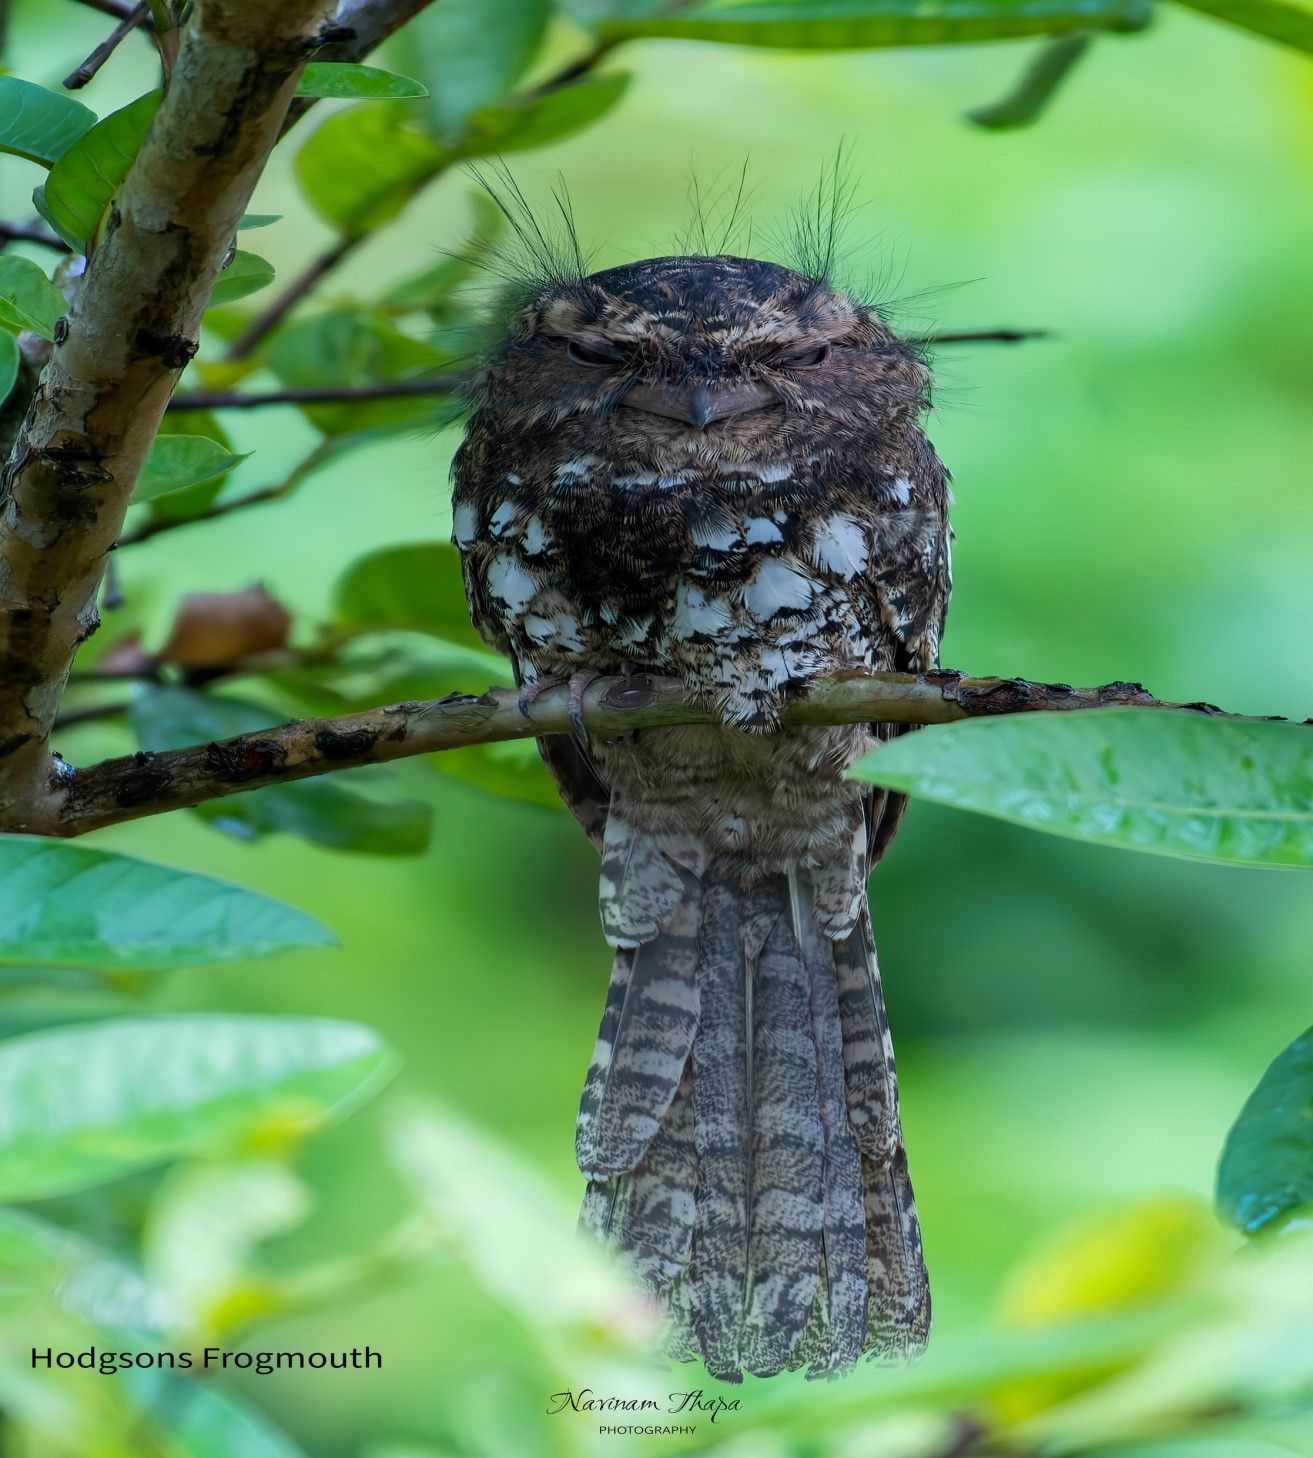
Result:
[578,684]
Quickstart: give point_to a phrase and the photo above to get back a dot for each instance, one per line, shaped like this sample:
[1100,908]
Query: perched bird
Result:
[712,468]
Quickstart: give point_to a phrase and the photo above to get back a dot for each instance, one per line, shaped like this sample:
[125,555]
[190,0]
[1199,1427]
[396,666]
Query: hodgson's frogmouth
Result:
[712,468]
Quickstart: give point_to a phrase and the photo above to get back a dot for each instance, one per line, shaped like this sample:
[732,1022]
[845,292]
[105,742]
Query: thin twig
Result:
[117,8]
[255,332]
[78,78]
[981,336]
[574,70]
[318,395]
[30,233]
[150,784]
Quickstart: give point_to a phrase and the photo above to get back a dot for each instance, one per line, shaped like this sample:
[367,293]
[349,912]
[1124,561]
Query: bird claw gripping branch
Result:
[712,468]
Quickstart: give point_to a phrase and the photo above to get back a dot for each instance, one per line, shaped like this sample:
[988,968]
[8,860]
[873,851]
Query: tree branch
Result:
[30,233]
[318,268]
[319,395]
[152,783]
[119,353]
[78,78]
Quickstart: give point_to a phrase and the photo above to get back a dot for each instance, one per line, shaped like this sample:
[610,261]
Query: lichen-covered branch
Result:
[151,783]
[119,353]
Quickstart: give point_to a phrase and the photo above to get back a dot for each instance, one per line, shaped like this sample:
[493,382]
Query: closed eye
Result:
[594,356]
[803,359]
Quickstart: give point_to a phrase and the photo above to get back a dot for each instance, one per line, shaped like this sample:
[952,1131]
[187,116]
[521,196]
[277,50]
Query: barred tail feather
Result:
[740,1121]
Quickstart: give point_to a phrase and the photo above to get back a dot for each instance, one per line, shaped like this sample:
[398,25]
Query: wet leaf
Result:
[75,906]
[1173,782]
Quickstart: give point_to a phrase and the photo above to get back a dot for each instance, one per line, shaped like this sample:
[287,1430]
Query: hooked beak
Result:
[700,404]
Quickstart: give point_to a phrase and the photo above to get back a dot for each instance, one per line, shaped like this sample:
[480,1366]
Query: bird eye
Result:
[595,358]
[804,359]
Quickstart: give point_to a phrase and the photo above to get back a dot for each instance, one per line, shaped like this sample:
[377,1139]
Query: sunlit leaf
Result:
[1174,782]
[345,80]
[417,587]
[347,346]
[38,124]
[176,462]
[11,360]
[87,176]
[542,119]
[326,811]
[75,906]
[88,1104]
[28,300]
[1287,21]
[1267,1163]
[474,51]
[246,274]
[362,166]
[861,24]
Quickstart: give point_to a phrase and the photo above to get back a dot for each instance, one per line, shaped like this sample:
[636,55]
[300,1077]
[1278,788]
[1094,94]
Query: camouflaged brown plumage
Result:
[712,467]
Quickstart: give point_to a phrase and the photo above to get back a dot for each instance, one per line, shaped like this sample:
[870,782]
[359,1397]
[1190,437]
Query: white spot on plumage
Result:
[716,537]
[572,471]
[464,525]
[514,479]
[696,613]
[902,490]
[839,545]
[641,478]
[760,532]
[665,483]
[776,471]
[501,518]
[536,629]
[568,635]
[511,582]
[776,587]
[535,538]
[636,632]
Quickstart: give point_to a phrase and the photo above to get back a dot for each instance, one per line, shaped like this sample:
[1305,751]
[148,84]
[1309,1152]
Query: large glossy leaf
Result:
[1267,1163]
[87,1104]
[861,24]
[84,179]
[1174,782]
[326,811]
[28,300]
[10,361]
[417,587]
[474,51]
[74,906]
[346,80]
[248,273]
[177,462]
[38,124]
[1287,21]
[347,346]
[518,126]
[364,164]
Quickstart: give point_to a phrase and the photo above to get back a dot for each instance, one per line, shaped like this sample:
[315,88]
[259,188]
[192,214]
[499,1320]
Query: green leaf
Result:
[73,906]
[1174,782]
[246,274]
[194,1419]
[177,462]
[325,811]
[346,79]
[518,126]
[84,1105]
[259,220]
[512,769]
[348,346]
[863,24]
[87,176]
[38,124]
[1038,85]
[11,360]
[28,300]
[194,500]
[364,164]
[1267,1161]
[1286,21]
[474,51]
[417,587]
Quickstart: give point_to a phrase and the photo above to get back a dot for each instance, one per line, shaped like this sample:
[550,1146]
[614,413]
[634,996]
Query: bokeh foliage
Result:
[1078,1028]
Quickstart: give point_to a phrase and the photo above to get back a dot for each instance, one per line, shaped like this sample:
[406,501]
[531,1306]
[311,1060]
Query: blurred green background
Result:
[1076,1027]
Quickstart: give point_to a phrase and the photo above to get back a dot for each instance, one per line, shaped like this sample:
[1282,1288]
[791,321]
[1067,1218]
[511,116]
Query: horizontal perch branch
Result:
[152,783]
